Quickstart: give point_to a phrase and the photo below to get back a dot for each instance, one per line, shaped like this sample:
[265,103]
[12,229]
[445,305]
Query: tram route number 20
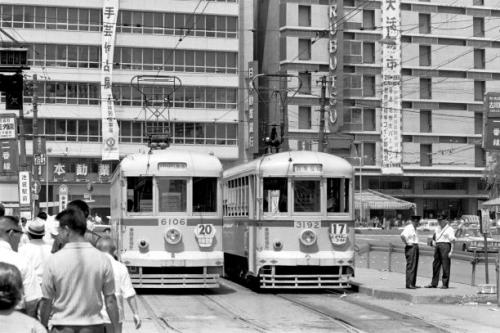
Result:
[204,229]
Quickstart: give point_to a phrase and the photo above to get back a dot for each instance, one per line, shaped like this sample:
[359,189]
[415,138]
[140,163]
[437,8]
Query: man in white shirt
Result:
[443,241]
[37,250]
[10,235]
[410,238]
[123,285]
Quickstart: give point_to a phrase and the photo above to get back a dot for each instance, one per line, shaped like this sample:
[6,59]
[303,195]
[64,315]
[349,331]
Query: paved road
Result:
[461,271]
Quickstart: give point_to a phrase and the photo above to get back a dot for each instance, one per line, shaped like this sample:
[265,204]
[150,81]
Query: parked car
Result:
[428,225]
[470,239]
[103,230]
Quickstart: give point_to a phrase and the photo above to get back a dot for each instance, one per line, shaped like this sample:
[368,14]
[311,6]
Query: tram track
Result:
[161,323]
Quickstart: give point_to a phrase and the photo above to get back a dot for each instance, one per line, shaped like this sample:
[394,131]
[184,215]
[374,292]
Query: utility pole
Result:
[22,137]
[36,168]
[321,139]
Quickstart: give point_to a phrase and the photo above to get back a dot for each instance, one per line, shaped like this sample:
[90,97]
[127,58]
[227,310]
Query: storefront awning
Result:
[492,202]
[375,200]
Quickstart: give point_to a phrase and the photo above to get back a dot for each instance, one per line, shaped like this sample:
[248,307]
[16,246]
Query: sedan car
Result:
[428,225]
[470,239]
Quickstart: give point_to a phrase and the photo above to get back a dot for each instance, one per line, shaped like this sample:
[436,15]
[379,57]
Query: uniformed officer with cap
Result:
[443,241]
[410,238]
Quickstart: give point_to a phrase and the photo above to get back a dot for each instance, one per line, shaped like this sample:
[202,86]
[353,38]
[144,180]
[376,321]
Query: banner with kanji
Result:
[391,122]
[110,129]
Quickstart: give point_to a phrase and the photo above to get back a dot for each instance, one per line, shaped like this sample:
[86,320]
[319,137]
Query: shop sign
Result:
[63,197]
[82,170]
[24,188]
[8,157]
[8,126]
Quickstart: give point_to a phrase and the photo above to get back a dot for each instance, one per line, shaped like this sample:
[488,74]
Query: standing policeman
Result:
[443,241]
[410,238]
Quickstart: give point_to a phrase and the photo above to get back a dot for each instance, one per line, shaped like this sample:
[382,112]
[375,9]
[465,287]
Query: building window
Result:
[368,53]
[369,153]
[478,123]
[479,157]
[478,27]
[425,88]
[304,117]
[479,59]
[305,16]
[425,55]
[368,119]
[424,23]
[304,49]
[368,86]
[425,155]
[425,121]
[368,19]
[479,88]
[305,79]
[478,2]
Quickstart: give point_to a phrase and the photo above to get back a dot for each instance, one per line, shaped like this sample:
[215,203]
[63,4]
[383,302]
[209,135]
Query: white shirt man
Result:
[410,234]
[37,250]
[10,234]
[410,237]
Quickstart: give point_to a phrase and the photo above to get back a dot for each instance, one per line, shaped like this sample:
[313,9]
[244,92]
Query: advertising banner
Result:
[9,157]
[8,126]
[253,110]
[24,188]
[391,122]
[109,123]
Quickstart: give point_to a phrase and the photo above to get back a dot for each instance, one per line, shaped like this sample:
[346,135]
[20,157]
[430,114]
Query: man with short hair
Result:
[123,284]
[443,242]
[74,280]
[10,235]
[36,251]
[410,238]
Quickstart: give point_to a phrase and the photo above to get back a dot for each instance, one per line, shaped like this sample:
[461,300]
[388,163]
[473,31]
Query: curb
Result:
[422,299]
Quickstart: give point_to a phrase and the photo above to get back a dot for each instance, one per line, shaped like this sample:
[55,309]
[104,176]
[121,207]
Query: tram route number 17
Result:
[338,233]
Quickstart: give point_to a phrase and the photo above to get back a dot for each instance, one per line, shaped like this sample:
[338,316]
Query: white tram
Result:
[288,221]
[166,214]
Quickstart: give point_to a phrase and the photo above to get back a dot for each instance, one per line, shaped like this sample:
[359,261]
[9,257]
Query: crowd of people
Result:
[61,278]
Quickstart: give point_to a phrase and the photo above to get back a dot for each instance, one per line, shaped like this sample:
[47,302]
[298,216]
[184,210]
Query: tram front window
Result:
[307,196]
[172,195]
[139,194]
[337,195]
[204,195]
[275,195]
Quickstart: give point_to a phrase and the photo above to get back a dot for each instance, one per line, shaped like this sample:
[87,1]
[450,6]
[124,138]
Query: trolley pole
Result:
[321,138]
[35,168]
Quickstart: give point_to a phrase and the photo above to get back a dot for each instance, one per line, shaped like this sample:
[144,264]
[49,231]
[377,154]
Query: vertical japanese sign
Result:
[8,157]
[491,132]
[253,109]
[391,123]
[63,196]
[109,124]
[333,64]
[8,126]
[24,188]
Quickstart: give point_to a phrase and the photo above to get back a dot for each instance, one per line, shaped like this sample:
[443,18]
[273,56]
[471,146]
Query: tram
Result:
[166,216]
[289,221]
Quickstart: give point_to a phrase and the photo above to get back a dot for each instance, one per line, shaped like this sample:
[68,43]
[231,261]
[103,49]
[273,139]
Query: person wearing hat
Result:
[410,238]
[443,241]
[37,250]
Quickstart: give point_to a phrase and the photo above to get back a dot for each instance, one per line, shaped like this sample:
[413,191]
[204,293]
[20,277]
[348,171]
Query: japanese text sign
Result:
[24,188]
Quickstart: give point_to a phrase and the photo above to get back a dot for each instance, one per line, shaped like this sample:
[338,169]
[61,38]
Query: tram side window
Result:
[337,195]
[204,194]
[275,195]
[307,196]
[172,195]
[139,194]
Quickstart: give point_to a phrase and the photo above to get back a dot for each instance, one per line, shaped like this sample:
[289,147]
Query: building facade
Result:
[449,57]
[199,42]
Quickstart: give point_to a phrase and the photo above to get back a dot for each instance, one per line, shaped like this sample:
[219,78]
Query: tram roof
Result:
[281,164]
[171,162]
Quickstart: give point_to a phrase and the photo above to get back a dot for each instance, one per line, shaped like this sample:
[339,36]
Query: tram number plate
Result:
[205,229]
[308,224]
[338,233]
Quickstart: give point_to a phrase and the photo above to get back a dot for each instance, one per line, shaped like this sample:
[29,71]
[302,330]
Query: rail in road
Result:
[236,308]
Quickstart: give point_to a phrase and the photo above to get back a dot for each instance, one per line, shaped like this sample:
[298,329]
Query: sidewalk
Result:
[391,285]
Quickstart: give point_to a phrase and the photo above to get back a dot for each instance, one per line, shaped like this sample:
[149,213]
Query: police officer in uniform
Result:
[410,238]
[443,241]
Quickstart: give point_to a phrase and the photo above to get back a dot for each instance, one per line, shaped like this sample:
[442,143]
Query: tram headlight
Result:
[143,246]
[173,236]
[308,237]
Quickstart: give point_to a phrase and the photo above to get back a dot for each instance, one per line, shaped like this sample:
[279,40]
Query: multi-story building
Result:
[201,42]
[449,56]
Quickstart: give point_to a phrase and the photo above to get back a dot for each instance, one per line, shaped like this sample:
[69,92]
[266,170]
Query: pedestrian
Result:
[36,251]
[443,241]
[410,238]
[123,285]
[2,209]
[75,280]
[10,235]
[11,294]
[90,236]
